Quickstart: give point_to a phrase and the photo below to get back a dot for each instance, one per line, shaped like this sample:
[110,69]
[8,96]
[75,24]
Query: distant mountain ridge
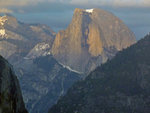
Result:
[18,38]
[122,85]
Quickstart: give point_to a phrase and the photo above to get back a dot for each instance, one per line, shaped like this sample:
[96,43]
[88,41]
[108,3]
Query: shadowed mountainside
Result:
[43,82]
[11,100]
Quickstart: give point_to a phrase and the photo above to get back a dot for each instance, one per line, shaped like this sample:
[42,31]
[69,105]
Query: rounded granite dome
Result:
[93,36]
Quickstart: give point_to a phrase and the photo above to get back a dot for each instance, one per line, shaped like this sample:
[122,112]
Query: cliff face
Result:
[93,36]
[11,100]
[122,85]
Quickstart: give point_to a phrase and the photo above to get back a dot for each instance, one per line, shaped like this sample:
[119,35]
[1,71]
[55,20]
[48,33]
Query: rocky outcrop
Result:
[11,100]
[92,37]
[122,85]
[41,49]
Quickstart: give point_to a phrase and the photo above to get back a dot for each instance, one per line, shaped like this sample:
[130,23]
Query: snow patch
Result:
[69,68]
[3,19]
[41,49]
[2,32]
[41,46]
[89,10]
[46,53]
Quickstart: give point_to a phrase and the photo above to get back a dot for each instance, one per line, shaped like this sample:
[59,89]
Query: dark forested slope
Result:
[11,100]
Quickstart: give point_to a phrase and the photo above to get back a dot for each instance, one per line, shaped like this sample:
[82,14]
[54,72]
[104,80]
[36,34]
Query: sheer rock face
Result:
[89,37]
[10,95]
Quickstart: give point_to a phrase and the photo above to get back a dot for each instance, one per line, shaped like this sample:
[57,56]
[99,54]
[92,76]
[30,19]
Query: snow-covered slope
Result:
[41,49]
[70,69]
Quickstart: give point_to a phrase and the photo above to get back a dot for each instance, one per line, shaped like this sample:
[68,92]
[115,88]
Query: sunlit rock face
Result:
[11,100]
[93,36]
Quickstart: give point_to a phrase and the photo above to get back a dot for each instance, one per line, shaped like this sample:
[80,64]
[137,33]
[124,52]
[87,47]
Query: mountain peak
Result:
[7,20]
[83,11]
[7,17]
[91,35]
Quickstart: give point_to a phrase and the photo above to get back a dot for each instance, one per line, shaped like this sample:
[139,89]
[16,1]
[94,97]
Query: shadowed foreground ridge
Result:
[10,95]
[44,83]
[121,85]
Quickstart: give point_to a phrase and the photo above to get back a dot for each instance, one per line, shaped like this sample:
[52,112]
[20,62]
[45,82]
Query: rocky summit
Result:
[11,100]
[93,36]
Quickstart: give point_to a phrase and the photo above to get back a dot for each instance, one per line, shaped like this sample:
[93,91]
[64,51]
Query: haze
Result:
[58,13]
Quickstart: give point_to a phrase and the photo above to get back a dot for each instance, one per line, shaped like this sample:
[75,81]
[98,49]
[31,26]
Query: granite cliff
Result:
[93,36]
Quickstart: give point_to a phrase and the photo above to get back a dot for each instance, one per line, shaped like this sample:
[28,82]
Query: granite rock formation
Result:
[93,36]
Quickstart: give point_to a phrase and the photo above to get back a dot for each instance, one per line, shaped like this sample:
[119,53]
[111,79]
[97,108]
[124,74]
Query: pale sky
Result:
[58,13]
